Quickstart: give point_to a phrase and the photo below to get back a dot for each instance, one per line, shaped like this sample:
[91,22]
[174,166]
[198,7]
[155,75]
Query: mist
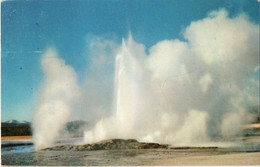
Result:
[179,92]
[57,95]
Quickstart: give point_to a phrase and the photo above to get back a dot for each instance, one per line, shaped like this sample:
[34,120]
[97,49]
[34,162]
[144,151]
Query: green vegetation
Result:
[8,129]
[74,128]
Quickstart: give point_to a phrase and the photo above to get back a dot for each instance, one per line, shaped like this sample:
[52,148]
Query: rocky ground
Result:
[110,144]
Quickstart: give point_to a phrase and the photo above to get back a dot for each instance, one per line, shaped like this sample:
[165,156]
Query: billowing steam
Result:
[57,96]
[180,92]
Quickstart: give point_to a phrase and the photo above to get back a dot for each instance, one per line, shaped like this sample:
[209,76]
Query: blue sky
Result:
[29,27]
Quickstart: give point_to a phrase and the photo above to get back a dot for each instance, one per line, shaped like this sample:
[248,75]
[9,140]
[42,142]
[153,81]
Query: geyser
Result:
[180,95]
[178,92]
[59,92]
[129,89]
[139,111]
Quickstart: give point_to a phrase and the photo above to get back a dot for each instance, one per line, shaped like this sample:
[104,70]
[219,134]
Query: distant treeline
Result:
[8,129]
[73,128]
[256,111]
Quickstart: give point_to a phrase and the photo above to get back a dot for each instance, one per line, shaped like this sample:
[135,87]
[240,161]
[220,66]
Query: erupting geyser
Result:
[178,92]
[129,96]
[185,93]
[129,89]
[59,92]
[139,111]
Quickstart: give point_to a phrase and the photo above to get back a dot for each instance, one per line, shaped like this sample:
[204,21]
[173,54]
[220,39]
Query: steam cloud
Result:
[57,97]
[180,92]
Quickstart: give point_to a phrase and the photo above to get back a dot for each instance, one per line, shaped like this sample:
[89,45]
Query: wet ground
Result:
[26,155]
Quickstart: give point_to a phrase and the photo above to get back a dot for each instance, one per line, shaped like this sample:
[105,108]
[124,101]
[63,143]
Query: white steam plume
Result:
[185,92]
[180,92]
[56,99]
